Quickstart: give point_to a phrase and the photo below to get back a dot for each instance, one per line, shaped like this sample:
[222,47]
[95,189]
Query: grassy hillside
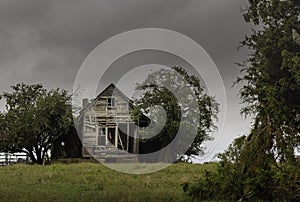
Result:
[94,182]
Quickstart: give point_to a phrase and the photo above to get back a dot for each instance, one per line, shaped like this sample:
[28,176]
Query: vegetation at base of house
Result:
[262,166]
[94,182]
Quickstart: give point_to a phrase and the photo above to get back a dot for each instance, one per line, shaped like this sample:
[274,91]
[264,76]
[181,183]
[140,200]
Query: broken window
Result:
[111,102]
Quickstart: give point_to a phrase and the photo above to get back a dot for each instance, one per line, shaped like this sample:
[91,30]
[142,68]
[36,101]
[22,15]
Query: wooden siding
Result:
[107,125]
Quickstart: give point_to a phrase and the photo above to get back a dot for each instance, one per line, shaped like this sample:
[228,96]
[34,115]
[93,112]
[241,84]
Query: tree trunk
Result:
[30,155]
[38,153]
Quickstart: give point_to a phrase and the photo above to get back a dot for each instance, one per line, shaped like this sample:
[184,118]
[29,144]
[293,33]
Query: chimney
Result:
[85,103]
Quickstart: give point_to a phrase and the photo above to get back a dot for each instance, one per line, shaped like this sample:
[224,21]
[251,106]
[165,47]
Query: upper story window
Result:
[111,102]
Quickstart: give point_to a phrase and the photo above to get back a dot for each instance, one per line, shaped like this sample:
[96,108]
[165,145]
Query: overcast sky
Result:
[47,41]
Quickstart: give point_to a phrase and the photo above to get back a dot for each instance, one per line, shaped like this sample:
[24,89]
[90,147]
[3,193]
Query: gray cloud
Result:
[47,41]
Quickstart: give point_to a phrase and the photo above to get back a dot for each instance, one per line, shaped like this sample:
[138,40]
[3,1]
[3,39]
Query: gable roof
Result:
[112,89]
[109,91]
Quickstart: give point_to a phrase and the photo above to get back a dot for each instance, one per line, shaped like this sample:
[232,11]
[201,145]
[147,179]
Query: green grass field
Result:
[94,182]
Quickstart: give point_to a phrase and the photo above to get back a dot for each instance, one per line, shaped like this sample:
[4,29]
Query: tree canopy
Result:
[262,165]
[272,74]
[195,118]
[34,118]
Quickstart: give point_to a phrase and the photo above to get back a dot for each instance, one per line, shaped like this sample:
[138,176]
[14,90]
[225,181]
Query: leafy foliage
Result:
[226,183]
[262,166]
[272,75]
[178,113]
[34,118]
[236,180]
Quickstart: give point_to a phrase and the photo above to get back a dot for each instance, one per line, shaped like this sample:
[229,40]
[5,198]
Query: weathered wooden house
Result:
[108,129]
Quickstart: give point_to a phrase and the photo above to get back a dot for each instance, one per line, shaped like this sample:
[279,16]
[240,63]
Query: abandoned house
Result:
[108,129]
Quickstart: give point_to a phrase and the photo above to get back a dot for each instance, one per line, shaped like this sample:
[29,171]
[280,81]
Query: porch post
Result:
[116,136]
[106,135]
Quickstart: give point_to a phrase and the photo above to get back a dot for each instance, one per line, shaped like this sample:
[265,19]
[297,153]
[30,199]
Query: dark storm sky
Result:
[47,41]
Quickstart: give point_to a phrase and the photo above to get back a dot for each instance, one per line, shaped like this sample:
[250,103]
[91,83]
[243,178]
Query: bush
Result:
[234,181]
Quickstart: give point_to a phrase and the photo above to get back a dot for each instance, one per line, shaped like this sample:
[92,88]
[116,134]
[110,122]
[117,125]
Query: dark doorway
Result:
[122,129]
[111,135]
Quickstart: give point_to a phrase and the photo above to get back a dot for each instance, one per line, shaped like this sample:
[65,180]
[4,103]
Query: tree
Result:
[266,168]
[200,114]
[3,139]
[34,118]
[272,74]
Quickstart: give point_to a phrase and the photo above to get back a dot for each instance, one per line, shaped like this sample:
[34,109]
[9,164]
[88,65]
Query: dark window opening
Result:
[111,102]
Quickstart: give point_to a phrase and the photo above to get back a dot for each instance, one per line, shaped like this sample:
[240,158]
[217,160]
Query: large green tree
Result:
[272,74]
[262,165]
[33,119]
[157,89]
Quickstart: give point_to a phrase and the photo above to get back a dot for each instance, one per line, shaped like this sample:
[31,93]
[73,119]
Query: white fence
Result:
[11,158]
